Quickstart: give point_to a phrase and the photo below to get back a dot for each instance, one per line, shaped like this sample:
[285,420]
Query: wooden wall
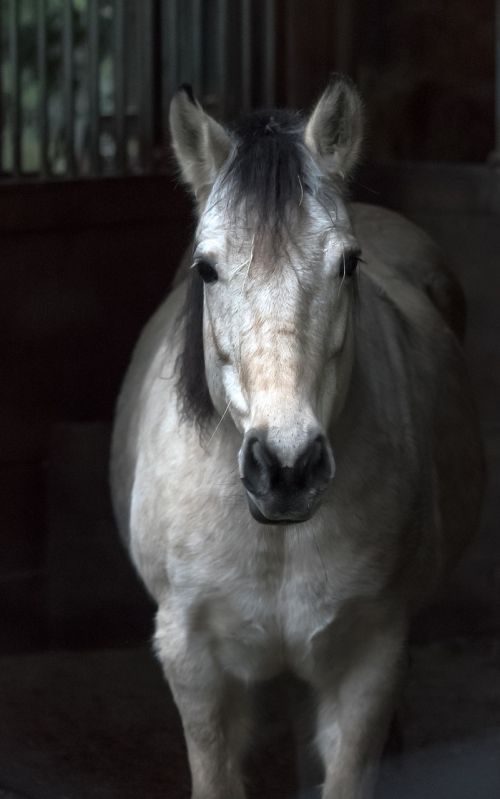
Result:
[82,267]
[425,69]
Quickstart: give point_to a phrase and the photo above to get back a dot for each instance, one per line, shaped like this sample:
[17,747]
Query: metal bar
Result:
[270,53]
[120,86]
[222,52]
[2,100]
[344,22]
[497,80]
[246,54]
[93,85]
[197,43]
[170,52]
[68,90]
[157,87]
[15,98]
[43,128]
[169,60]
[146,83]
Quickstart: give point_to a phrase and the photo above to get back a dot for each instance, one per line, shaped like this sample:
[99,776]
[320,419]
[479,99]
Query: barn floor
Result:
[101,724]
[88,716]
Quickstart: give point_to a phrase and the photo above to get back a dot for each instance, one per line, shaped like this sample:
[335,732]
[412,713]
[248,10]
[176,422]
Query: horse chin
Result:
[293,518]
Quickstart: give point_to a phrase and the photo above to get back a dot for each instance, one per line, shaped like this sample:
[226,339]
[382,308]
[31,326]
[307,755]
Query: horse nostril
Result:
[314,468]
[258,464]
[263,474]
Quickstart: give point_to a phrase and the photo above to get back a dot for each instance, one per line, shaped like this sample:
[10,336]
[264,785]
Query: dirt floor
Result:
[98,725]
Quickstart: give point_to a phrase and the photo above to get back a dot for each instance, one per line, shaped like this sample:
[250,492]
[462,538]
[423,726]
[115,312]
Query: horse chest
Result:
[261,611]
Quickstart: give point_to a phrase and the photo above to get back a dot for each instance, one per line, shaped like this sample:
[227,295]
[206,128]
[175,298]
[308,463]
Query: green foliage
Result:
[29,84]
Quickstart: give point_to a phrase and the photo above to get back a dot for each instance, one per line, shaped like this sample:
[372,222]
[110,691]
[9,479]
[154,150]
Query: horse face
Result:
[278,291]
[278,348]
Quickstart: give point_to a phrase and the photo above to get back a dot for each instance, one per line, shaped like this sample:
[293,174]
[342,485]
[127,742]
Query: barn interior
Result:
[93,222]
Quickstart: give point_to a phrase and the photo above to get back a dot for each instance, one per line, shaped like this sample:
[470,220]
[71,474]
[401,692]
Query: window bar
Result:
[93,84]
[344,18]
[42,87]
[120,86]
[497,80]
[69,93]
[169,59]
[146,83]
[270,53]
[15,97]
[196,46]
[246,54]
[222,50]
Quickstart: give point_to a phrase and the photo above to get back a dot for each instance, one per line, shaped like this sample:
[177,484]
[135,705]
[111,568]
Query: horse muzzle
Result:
[285,494]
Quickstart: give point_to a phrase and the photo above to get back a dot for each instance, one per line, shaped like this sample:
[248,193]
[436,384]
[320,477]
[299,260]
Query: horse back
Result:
[394,246]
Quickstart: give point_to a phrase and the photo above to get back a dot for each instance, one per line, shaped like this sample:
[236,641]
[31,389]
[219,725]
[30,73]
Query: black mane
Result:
[268,175]
[195,402]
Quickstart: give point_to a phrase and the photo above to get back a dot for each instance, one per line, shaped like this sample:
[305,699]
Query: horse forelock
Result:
[270,173]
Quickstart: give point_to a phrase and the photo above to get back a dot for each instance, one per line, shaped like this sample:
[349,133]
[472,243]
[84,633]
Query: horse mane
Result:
[194,400]
[266,178]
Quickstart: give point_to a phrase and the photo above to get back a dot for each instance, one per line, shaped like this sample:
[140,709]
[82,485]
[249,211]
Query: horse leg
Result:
[355,708]
[214,738]
[213,709]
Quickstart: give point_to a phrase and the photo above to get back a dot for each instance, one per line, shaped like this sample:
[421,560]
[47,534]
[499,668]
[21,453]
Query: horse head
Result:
[274,266]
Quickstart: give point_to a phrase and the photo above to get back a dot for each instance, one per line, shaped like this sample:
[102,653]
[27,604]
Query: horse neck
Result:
[392,373]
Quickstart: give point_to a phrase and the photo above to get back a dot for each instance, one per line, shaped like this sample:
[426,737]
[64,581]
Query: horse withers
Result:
[296,461]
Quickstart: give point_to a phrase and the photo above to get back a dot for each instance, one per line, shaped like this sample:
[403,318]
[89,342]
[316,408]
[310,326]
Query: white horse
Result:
[296,459]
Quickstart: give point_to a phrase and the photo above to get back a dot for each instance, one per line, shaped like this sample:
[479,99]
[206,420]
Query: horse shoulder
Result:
[148,384]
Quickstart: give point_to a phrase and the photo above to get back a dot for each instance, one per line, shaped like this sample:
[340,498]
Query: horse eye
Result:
[206,271]
[348,264]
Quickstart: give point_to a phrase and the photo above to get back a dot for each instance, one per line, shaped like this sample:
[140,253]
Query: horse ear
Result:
[334,131]
[200,144]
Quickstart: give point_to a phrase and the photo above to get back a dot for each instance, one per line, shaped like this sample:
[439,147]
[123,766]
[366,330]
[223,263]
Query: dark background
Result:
[82,265]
